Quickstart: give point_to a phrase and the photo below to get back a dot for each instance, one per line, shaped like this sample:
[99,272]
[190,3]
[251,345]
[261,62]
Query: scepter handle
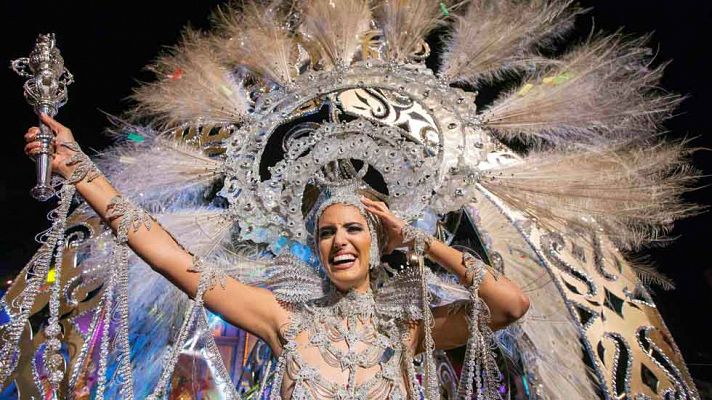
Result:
[45,90]
[43,189]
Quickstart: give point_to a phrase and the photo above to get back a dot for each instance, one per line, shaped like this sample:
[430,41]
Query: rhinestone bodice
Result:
[340,348]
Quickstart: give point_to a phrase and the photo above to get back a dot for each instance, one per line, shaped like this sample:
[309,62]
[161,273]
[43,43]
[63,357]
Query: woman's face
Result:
[344,242]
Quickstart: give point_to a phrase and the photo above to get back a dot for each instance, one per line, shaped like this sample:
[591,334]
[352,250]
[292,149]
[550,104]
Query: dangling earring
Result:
[374,255]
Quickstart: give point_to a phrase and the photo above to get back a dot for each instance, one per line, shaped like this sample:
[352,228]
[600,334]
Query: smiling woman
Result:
[352,231]
[344,247]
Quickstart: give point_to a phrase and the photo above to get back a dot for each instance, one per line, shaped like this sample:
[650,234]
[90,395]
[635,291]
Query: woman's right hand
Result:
[62,134]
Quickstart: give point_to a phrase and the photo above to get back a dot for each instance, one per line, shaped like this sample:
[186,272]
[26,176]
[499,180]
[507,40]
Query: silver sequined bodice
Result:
[339,347]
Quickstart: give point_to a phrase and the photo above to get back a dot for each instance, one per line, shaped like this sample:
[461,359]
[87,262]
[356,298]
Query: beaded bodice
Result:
[339,347]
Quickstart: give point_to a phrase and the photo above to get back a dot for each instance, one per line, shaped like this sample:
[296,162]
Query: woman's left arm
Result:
[506,301]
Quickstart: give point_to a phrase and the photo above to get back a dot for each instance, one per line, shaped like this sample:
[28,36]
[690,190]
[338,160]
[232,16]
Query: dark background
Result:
[106,45]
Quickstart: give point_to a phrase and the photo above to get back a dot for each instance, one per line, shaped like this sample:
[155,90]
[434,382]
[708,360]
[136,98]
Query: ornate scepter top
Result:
[46,86]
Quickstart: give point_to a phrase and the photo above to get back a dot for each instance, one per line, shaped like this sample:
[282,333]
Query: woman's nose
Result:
[339,239]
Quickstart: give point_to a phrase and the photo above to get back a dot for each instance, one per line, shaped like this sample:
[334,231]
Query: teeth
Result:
[344,257]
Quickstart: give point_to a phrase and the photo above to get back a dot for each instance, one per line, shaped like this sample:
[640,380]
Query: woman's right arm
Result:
[253,309]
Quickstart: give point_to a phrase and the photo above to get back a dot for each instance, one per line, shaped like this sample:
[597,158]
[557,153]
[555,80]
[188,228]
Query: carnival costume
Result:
[286,101]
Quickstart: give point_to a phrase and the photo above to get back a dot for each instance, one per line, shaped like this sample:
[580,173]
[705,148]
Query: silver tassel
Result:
[431,381]
[479,365]
[38,268]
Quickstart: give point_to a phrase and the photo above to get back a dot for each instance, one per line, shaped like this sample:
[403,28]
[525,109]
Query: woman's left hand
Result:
[391,224]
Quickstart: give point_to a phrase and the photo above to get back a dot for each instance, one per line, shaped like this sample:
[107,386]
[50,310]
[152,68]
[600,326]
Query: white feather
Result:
[160,170]
[256,37]
[205,232]
[603,90]
[496,36]
[405,25]
[193,87]
[337,27]
[632,191]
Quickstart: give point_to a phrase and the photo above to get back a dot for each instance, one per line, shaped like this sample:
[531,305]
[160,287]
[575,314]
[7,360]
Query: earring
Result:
[374,255]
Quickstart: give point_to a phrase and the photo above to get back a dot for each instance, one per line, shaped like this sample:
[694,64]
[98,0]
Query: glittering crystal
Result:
[56,377]
[53,329]
[54,344]
[55,360]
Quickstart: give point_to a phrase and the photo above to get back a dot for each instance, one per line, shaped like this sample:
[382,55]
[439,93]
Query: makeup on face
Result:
[344,243]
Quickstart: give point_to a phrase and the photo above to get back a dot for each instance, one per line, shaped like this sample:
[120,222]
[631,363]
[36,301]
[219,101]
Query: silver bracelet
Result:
[474,271]
[132,217]
[84,167]
[421,240]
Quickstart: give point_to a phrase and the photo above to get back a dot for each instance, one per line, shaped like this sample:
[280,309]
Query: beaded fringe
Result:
[37,269]
[479,365]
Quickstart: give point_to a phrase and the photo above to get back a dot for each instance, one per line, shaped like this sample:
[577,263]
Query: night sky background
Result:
[106,44]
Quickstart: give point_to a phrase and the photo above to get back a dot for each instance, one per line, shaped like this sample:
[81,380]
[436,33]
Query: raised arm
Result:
[504,298]
[253,309]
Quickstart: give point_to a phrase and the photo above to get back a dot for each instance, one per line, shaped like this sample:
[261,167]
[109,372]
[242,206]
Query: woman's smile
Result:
[343,260]
[344,242]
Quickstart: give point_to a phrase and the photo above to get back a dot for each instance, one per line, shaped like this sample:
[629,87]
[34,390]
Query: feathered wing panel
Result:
[159,169]
[632,191]
[205,232]
[193,87]
[603,90]
[547,341]
[257,38]
[495,37]
[626,343]
[337,28]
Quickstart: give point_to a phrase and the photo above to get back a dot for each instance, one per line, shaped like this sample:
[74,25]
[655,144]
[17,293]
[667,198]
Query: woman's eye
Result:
[354,229]
[325,233]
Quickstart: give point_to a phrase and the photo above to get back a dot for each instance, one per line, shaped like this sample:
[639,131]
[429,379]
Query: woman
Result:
[340,346]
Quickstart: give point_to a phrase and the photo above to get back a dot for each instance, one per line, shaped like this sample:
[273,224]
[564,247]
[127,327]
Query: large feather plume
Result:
[257,37]
[248,267]
[192,87]
[337,27]
[405,24]
[160,170]
[494,37]
[205,232]
[633,192]
[604,89]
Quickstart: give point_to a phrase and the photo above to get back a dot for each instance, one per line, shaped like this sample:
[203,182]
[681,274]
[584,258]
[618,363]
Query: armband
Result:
[421,240]
[132,217]
[474,271]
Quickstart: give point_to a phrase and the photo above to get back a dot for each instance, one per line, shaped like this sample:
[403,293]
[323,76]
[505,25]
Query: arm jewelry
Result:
[480,373]
[116,290]
[84,167]
[475,271]
[479,364]
[132,217]
[421,240]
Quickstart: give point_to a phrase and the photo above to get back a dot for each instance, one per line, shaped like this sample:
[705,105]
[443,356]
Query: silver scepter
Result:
[46,91]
